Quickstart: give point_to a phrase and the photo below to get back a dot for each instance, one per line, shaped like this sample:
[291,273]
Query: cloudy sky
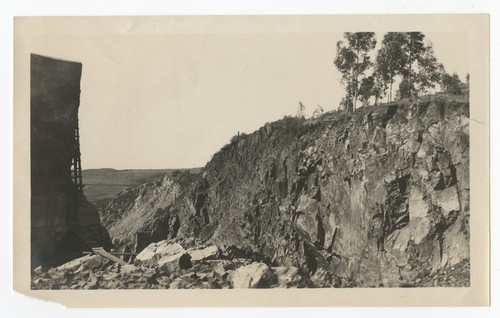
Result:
[171,100]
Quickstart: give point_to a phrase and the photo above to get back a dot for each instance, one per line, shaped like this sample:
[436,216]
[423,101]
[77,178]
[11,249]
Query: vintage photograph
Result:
[243,153]
[359,178]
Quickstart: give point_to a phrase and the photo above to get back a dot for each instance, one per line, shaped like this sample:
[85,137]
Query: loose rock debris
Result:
[164,265]
[168,265]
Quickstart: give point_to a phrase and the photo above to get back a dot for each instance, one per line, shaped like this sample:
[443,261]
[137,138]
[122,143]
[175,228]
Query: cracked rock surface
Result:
[379,197]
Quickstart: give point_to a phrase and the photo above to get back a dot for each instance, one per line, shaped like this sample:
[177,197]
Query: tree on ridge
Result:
[352,60]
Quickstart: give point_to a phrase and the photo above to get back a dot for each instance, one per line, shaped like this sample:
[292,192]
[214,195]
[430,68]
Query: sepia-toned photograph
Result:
[249,153]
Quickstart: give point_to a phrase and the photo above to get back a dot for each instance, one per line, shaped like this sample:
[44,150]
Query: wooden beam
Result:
[101,252]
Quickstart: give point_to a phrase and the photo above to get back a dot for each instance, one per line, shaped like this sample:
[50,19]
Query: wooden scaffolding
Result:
[76,166]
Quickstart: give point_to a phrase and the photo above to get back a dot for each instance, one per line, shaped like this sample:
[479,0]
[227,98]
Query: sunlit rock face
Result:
[379,197]
[373,195]
[63,222]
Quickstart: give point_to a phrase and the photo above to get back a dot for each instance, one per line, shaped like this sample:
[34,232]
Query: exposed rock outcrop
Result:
[152,212]
[377,197]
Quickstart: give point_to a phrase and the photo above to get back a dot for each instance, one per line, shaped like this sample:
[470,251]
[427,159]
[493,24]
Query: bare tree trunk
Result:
[390,93]
[409,70]
[356,83]
[355,96]
[350,93]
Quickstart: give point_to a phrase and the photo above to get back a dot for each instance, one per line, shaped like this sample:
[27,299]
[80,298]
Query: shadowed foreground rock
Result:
[63,222]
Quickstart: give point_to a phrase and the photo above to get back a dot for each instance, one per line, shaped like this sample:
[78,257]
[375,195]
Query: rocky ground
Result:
[456,276]
[168,265]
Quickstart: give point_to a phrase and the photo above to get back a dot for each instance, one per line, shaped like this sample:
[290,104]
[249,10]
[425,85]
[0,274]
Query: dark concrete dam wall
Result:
[63,222]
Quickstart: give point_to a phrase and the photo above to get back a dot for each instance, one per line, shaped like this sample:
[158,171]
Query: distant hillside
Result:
[103,184]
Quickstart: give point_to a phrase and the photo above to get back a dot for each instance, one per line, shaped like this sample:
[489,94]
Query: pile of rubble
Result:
[167,264]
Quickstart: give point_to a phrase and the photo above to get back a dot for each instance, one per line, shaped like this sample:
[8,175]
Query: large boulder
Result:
[88,262]
[210,252]
[167,256]
[156,250]
[172,262]
[288,276]
[74,264]
[255,275]
[147,254]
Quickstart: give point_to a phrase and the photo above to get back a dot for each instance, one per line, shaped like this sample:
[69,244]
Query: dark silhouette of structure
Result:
[63,222]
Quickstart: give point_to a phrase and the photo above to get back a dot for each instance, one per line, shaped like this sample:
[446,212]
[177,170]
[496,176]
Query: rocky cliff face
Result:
[63,222]
[378,197]
[152,212]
